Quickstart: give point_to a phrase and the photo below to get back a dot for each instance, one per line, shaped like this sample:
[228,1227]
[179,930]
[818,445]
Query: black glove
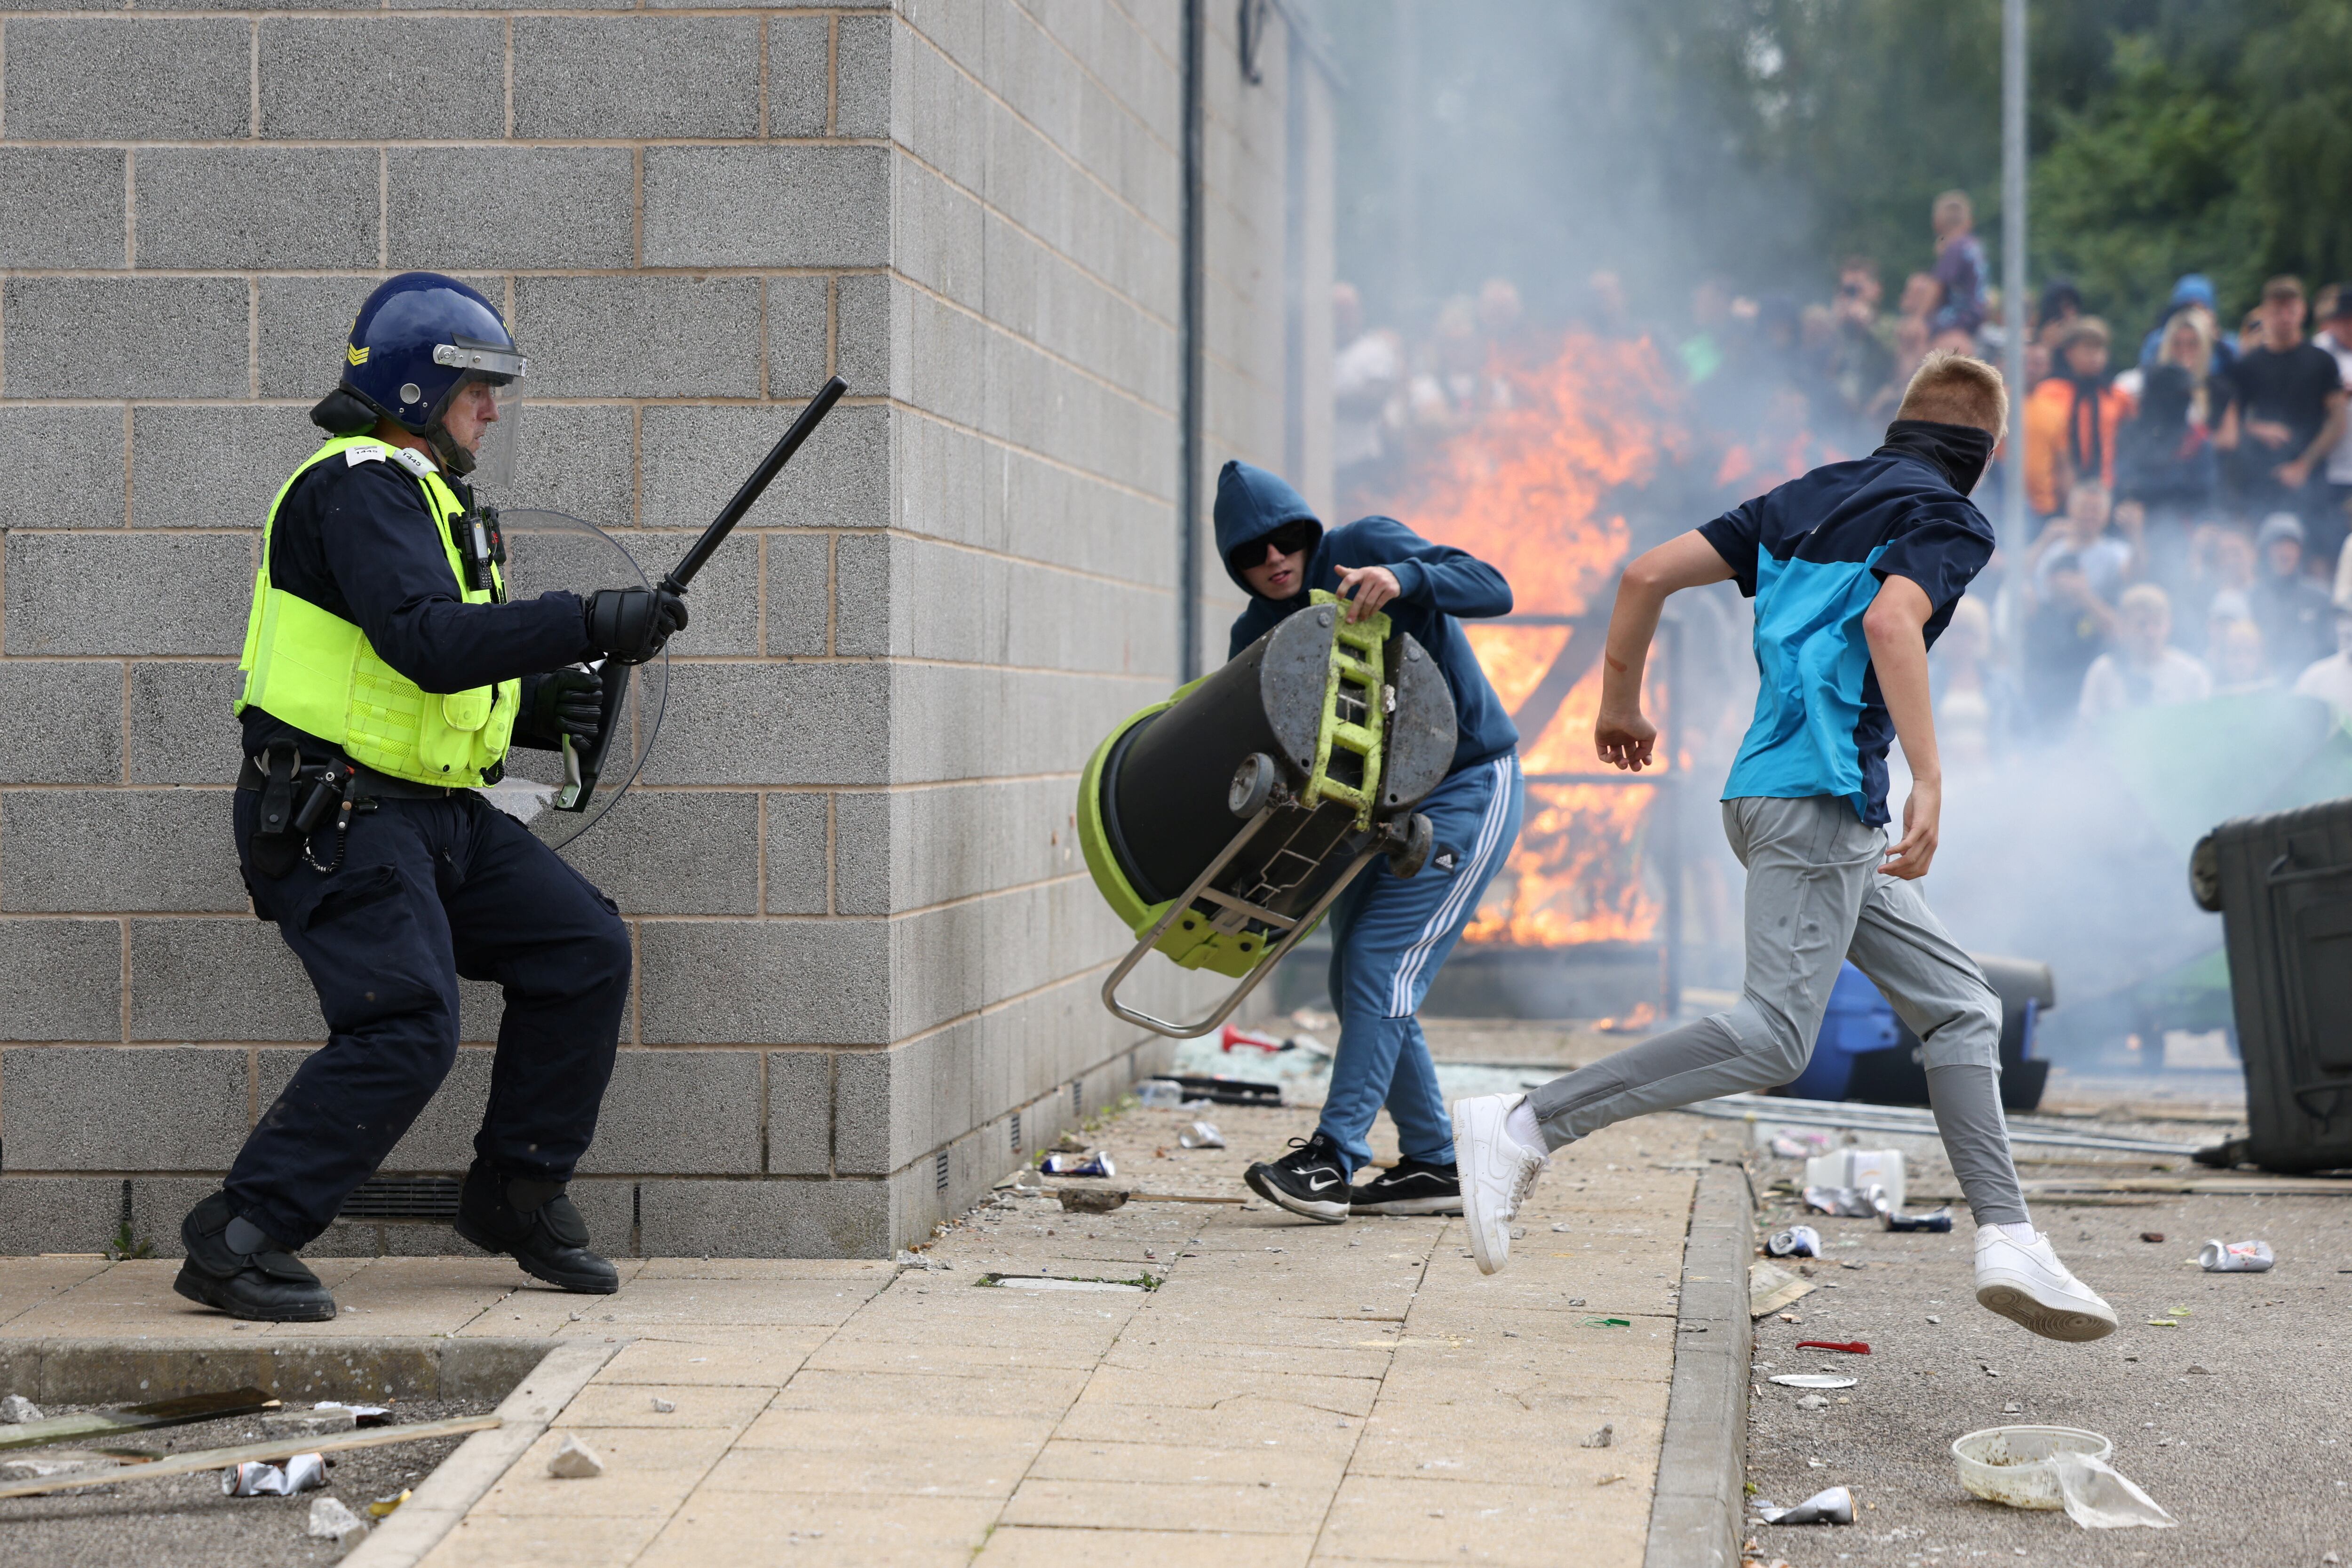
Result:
[631,624]
[568,702]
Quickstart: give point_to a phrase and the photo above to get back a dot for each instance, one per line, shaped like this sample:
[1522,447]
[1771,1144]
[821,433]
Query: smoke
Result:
[1541,142]
[1544,142]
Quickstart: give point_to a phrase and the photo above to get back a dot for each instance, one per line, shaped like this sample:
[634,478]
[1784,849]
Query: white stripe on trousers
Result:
[1498,811]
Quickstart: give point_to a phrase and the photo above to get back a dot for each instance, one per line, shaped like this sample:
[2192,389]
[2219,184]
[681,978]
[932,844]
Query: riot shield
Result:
[549,549]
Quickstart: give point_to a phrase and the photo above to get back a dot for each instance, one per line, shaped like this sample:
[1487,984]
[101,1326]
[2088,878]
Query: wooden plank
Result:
[222,1458]
[182,1412]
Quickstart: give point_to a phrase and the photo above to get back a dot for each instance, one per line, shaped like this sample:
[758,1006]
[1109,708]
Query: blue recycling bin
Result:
[1859,1020]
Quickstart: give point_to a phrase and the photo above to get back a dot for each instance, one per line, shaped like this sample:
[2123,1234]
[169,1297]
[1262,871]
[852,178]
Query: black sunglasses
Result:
[1288,539]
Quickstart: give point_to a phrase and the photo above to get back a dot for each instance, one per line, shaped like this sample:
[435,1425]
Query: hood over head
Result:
[2194,289]
[1251,504]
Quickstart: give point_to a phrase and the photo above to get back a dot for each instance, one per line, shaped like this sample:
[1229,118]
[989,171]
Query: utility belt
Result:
[298,796]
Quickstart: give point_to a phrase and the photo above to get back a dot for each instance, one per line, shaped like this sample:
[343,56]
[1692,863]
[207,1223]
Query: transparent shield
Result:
[549,549]
[494,460]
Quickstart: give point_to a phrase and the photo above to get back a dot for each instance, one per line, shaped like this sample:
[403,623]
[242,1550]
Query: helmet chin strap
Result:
[453,458]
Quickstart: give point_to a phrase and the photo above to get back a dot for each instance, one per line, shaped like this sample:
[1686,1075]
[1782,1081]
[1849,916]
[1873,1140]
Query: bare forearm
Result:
[1899,655]
[1686,561]
[1632,626]
[2329,434]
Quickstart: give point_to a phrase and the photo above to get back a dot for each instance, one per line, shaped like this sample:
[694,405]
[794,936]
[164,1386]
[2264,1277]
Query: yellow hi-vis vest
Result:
[317,671]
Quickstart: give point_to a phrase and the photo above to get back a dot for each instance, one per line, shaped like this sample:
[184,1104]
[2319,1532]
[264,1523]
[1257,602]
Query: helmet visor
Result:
[501,443]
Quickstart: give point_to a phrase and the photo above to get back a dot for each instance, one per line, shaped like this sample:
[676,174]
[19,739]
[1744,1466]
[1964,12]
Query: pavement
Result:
[1210,1381]
[2233,1420]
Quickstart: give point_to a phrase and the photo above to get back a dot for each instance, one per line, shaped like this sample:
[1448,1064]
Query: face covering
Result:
[1958,452]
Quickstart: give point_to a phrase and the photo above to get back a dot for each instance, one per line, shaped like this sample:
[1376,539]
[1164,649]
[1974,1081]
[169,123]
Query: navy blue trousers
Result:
[429,890]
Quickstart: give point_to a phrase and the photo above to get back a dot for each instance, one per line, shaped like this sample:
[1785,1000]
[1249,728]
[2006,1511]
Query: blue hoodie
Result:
[1435,582]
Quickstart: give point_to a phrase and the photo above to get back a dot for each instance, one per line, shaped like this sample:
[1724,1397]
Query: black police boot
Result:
[246,1274]
[536,1223]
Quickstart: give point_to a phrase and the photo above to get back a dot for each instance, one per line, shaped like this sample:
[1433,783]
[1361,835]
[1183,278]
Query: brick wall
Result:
[864,936]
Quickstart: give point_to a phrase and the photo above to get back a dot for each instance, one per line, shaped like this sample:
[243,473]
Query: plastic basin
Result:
[2011,1464]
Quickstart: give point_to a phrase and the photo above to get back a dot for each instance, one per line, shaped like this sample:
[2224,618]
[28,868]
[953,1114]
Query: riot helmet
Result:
[419,341]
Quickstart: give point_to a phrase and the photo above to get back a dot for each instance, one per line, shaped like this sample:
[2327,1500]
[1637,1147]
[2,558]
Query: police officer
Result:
[386,672]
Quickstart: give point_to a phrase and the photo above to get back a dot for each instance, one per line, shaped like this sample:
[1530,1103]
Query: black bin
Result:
[2283,885]
[2026,989]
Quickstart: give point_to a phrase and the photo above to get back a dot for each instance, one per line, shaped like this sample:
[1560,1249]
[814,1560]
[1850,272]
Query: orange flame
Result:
[1526,489]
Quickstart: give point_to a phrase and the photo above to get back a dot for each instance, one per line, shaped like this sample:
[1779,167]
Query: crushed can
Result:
[1202,1135]
[1940,1221]
[1093,1163]
[2235,1256]
[1797,1241]
[256,1478]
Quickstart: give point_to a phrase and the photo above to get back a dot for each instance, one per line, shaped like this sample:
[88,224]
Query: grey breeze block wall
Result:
[868,953]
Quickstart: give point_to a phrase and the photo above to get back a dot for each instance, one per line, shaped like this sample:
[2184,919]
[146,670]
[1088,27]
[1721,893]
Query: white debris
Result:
[330,1520]
[1812,1402]
[664,1406]
[1603,1438]
[574,1461]
[17,1408]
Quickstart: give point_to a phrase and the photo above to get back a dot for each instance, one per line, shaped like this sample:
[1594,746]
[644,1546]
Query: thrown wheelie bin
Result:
[1220,824]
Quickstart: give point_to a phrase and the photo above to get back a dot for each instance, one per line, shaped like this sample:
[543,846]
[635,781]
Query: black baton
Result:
[581,768]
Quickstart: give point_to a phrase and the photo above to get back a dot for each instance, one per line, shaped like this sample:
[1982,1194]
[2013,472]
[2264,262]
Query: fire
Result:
[1576,875]
[1531,488]
[1526,487]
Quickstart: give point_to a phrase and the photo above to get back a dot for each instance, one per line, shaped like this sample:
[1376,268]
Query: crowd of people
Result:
[2189,492]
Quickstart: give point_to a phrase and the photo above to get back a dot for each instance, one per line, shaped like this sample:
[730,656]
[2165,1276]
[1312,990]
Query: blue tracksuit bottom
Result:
[1390,936]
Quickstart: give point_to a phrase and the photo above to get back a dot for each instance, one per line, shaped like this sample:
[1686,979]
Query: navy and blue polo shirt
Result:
[1813,554]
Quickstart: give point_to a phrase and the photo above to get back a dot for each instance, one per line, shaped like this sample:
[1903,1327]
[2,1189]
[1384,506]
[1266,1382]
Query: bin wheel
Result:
[1253,785]
[2205,875]
[1410,855]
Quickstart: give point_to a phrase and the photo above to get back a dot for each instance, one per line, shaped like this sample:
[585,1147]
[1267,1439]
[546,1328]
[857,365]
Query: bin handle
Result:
[1265,966]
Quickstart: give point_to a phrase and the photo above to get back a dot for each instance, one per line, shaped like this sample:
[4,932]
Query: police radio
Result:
[482,550]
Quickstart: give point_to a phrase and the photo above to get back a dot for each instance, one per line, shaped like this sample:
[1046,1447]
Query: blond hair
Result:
[1957,389]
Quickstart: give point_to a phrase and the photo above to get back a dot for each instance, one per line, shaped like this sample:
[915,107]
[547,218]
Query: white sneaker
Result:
[2029,1286]
[1496,1173]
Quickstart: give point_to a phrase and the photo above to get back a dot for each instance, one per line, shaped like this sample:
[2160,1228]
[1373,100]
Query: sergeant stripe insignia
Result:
[356,354]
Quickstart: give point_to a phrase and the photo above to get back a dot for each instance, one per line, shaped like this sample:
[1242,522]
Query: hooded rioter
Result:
[1390,934]
[386,672]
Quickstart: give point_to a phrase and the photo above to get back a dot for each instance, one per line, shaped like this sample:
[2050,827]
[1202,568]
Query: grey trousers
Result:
[1815,898]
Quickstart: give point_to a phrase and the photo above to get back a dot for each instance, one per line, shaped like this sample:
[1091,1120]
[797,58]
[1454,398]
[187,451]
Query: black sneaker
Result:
[537,1225]
[1412,1186]
[268,1285]
[1311,1180]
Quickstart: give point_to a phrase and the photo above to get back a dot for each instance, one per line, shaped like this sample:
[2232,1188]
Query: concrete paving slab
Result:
[484,1540]
[1288,1393]
[1074,1459]
[1206,1387]
[29,1283]
[639,1404]
[1038,1391]
[944,1458]
[760,1530]
[1250,1506]
[1391,1519]
[763,1356]
[1023,1547]
[647,1473]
